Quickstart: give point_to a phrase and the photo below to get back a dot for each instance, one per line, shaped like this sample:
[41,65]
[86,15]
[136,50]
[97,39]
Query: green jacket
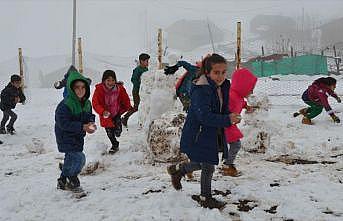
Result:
[136,77]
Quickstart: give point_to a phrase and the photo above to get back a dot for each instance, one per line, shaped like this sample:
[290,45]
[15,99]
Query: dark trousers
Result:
[6,115]
[111,134]
[207,171]
[136,101]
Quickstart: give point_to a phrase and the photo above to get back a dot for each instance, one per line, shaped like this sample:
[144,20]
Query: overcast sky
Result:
[122,28]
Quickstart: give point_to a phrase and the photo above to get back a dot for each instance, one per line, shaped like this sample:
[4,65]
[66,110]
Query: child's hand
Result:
[335,119]
[90,127]
[250,109]
[17,100]
[338,99]
[106,114]
[235,118]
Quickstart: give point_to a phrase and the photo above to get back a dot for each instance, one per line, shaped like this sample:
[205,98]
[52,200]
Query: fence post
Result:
[79,51]
[21,67]
[159,52]
[238,57]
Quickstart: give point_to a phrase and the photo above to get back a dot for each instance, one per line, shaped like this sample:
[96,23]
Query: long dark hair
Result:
[329,81]
[208,61]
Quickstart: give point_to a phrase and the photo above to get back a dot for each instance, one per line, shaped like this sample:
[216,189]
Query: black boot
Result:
[2,130]
[73,183]
[114,148]
[11,130]
[61,183]
[176,175]
[209,202]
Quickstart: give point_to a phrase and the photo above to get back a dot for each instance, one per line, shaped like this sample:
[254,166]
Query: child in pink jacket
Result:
[242,85]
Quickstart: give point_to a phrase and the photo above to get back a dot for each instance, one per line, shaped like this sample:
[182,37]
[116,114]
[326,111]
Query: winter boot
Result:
[73,183]
[176,175]
[307,121]
[301,111]
[2,130]
[190,176]
[209,202]
[11,130]
[229,170]
[114,149]
[61,183]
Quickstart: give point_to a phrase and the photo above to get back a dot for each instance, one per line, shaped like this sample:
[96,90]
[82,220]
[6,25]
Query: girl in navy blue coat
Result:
[203,131]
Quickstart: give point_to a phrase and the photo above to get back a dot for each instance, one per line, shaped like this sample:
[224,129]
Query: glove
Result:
[338,99]
[57,84]
[335,119]
[171,69]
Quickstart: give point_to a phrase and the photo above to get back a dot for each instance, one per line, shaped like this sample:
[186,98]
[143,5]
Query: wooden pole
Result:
[79,51]
[238,57]
[159,44]
[21,67]
[337,60]
[74,34]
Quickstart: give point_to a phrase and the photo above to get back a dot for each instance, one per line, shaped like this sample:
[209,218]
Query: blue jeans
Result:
[73,163]
[207,171]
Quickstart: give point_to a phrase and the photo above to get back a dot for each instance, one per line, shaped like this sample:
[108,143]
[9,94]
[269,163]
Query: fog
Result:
[125,28]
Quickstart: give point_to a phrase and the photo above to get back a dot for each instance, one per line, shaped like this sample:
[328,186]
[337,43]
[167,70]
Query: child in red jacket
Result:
[110,101]
[316,96]
[242,85]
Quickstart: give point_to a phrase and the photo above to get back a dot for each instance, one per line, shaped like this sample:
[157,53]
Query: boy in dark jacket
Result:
[316,96]
[10,96]
[136,81]
[73,119]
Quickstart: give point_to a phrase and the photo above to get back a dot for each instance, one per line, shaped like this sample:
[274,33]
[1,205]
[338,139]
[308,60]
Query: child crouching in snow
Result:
[73,119]
[242,85]
[316,96]
[110,101]
[203,131]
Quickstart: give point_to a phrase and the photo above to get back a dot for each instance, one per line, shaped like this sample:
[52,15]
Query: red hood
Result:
[243,81]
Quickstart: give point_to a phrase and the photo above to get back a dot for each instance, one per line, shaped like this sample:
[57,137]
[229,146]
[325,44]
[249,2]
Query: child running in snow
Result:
[203,131]
[110,101]
[242,85]
[73,119]
[10,96]
[136,81]
[316,96]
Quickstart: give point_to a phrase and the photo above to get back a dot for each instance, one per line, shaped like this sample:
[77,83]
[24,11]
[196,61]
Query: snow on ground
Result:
[131,187]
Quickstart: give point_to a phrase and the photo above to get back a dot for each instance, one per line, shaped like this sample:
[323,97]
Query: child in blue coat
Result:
[203,131]
[73,119]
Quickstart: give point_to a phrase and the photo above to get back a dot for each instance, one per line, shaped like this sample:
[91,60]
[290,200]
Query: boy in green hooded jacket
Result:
[73,119]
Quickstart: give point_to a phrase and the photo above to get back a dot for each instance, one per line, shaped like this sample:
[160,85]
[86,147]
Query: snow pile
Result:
[256,129]
[157,95]
[164,137]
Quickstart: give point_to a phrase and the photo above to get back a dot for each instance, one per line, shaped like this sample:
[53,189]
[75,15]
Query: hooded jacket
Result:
[121,103]
[242,82]
[206,116]
[319,93]
[70,116]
